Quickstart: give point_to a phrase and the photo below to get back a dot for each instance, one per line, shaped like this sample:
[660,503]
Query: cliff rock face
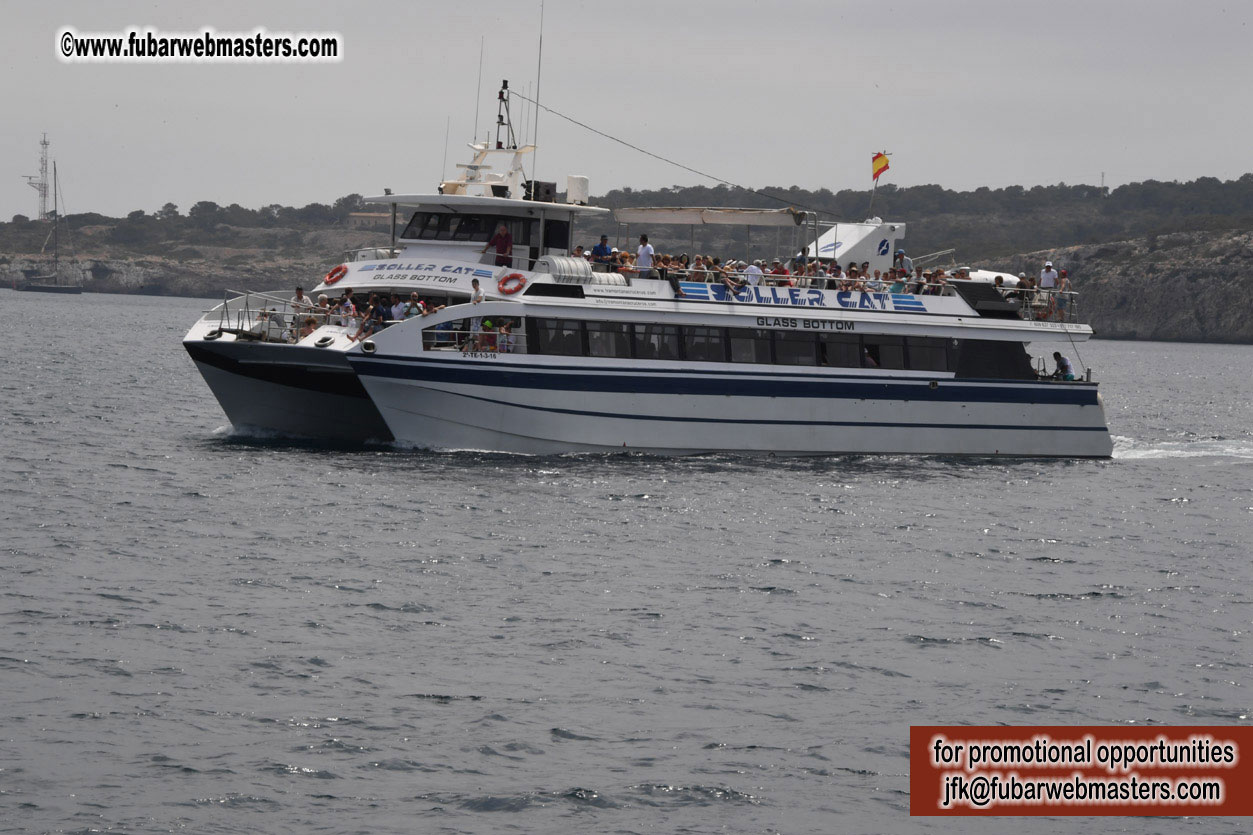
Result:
[1187,286]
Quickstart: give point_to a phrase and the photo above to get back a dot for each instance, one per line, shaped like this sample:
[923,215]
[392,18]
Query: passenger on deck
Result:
[1048,277]
[578,252]
[300,302]
[485,340]
[1065,371]
[308,327]
[397,312]
[505,342]
[668,272]
[903,262]
[323,309]
[730,279]
[503,241]
[752,272]
[1063,297]
[375,318]
[602,254]
[698,269]
[476,297]
[347,311]
[898,281]
[644,259]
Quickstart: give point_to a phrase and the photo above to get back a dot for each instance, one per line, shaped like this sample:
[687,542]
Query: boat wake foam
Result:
[1132,449]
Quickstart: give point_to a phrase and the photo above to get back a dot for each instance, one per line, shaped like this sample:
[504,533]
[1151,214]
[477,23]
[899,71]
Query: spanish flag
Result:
[878,164]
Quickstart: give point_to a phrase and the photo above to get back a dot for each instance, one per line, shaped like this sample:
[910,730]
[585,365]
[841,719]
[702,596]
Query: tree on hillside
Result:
[167,212]
[348,204]
[204,214]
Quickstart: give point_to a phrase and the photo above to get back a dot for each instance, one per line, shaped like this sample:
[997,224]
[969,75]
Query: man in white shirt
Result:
[753,273]
[476,296]
[644,258]
[1048,277]
[300,302]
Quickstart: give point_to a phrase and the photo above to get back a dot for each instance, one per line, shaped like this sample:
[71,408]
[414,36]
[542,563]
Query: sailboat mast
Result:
[56,225]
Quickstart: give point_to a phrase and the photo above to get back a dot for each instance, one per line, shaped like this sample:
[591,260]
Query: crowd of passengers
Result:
[382,309]
[802,271]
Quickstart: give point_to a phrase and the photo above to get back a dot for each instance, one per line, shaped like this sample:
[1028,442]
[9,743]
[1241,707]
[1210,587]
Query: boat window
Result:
[839,350]
[749,345]
[704,344]
[446,226]
[446,335]
[884,352]
[559,337]
[795,348]
[427,226]
[609,339]
[557,234]
[992,359]
[657,342]
[927,353]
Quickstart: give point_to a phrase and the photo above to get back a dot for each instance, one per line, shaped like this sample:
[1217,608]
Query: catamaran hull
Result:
[498,405]
[288,390]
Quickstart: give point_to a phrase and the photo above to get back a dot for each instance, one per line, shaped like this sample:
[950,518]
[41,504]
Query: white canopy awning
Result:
[701,216]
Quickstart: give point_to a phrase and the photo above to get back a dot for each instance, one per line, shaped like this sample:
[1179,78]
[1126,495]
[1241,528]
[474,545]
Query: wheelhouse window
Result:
[452,226]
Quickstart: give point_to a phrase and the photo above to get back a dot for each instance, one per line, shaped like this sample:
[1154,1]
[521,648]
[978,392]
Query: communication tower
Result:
[40,182]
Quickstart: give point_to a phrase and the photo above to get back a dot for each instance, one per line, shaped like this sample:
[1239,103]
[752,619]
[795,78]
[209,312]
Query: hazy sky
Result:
[785,92]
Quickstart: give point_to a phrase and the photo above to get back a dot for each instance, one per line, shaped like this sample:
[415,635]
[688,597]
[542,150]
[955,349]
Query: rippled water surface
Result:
[212,633]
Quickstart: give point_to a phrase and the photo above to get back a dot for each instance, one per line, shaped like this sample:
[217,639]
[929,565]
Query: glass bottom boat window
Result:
[884,352]
[795,348]
[704,344]
[657,342]
[560,337]
[609,339]
[749,345]
[927,353]
[839,350]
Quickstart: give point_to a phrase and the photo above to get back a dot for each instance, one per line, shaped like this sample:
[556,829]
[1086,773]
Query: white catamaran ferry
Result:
[547,355]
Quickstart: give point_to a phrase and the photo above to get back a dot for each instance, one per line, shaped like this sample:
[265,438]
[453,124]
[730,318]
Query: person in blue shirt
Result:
[602,253]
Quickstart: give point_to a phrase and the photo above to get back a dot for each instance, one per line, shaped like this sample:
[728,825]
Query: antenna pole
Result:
[539,66]
[478,99]
[443,169]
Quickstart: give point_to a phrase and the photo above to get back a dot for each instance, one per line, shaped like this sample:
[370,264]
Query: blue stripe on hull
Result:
[733,384]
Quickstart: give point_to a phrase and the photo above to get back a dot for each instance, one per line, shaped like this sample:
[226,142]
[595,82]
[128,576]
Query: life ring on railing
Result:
[511,283]
[335,274]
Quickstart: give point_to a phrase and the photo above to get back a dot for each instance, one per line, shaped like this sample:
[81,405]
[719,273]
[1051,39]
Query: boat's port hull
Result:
[498,405]
[289,390]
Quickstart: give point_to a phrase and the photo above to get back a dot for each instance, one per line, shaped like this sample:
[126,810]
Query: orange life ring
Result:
[511,283]
[335,274]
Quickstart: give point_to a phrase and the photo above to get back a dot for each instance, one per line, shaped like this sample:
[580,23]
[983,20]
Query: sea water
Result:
[211,632]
